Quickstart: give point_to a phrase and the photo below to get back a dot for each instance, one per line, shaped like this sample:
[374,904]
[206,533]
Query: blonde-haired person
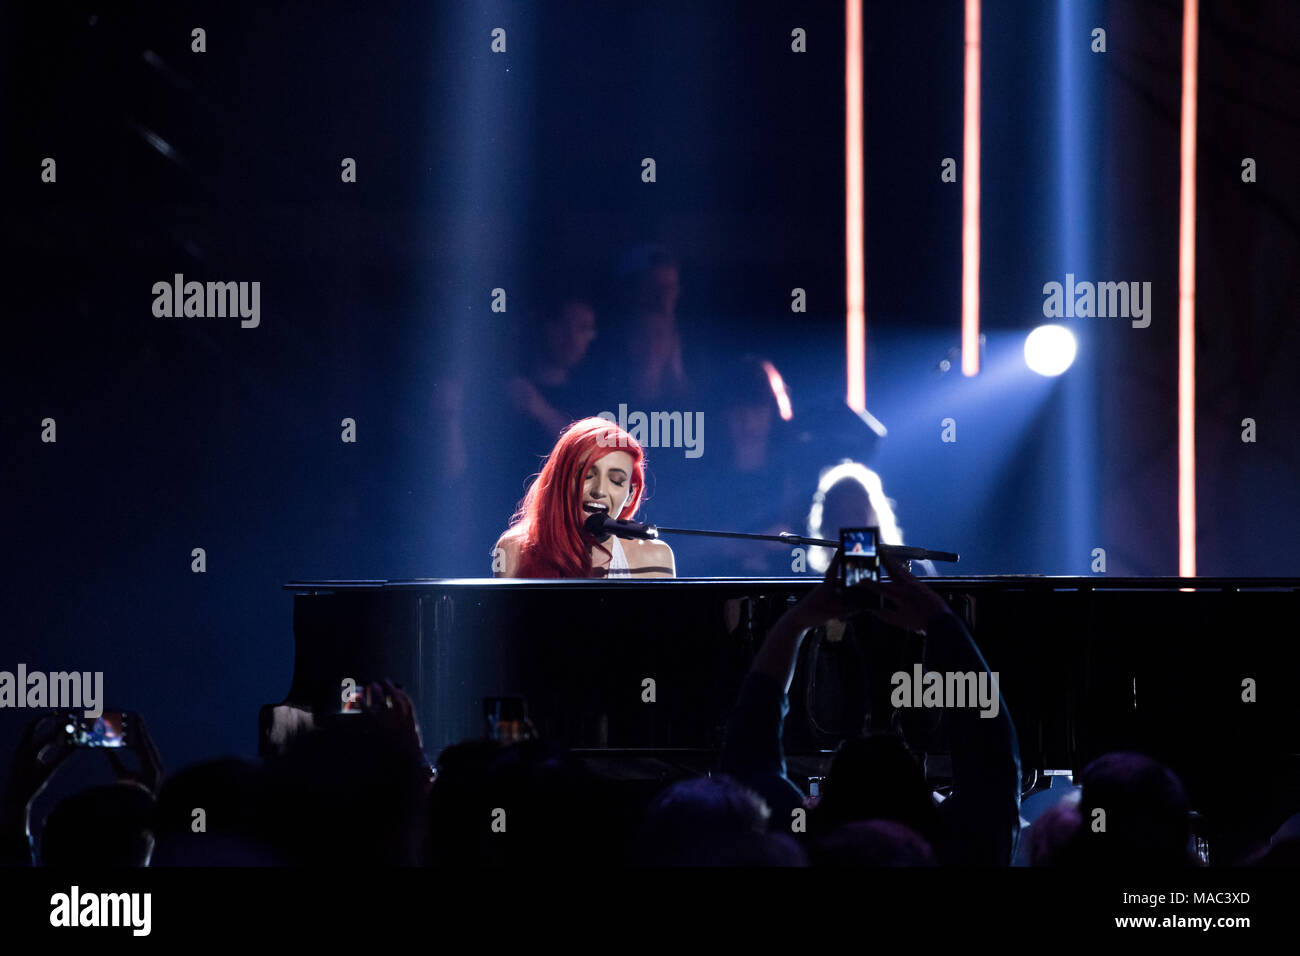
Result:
[851,495]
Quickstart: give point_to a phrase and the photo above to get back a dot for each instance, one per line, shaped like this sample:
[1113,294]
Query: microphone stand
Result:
[905,552]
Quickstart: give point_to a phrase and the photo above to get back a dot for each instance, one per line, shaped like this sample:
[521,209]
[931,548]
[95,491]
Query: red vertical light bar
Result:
[1187,303]
[855,347]
[970,199]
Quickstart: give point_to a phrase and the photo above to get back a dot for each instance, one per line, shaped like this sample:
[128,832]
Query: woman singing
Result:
[594,467]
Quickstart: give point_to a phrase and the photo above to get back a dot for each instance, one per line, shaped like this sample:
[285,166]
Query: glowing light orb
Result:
[1050,349]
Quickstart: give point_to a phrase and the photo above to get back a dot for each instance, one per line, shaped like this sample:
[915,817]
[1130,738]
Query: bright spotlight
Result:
[1049,349]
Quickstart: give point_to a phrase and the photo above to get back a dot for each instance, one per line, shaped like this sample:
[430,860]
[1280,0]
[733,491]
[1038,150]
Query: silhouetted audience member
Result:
[1061,789]
[1133,812]
[531,804]
[713,821]
[876,778]
[1050,838]
[360,777]
[546,808]
[882,842]
[1282,849]
[100,827]
[978,823]
[210,814]
[461,794]
[851,495]
[46,745]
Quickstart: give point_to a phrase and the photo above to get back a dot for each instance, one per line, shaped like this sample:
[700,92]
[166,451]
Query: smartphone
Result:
[353,697]
[861,561]
[507,719]
[109,729]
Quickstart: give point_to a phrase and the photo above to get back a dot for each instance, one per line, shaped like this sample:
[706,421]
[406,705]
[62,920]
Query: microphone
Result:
[601,526]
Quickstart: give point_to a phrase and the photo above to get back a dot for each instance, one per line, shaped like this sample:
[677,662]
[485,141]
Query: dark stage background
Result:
[522,171]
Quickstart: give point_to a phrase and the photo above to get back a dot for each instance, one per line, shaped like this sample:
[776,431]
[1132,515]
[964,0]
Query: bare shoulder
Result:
[653,554]
[505,557]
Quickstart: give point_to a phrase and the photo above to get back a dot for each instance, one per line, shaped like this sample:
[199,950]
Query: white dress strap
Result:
[618,566]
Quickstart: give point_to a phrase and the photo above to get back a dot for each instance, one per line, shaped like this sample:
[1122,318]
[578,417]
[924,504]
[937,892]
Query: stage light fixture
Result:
[1050,349]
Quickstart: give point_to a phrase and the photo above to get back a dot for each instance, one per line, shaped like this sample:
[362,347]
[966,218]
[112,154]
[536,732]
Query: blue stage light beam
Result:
[1078,79]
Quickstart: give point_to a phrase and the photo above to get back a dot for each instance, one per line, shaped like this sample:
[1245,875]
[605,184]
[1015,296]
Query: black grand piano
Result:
[1198,671]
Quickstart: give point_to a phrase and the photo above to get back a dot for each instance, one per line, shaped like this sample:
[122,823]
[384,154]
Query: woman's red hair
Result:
[552,542]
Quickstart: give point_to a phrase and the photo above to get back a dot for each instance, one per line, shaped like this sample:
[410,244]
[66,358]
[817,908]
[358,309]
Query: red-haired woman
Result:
[594,467]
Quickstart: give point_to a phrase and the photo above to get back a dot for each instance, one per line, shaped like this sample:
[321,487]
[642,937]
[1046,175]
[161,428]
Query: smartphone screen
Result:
[507,719]
[109,729]
[861,561]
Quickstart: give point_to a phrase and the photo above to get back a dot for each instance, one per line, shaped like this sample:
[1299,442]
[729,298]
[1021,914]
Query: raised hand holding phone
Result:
[141,744]
[907,603]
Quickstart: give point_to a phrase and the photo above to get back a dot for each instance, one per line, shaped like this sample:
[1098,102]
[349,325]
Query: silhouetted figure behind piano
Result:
[748,465]
[550,392]
[851,495]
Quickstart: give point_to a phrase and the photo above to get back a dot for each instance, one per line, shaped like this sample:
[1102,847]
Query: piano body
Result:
[1086,665]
